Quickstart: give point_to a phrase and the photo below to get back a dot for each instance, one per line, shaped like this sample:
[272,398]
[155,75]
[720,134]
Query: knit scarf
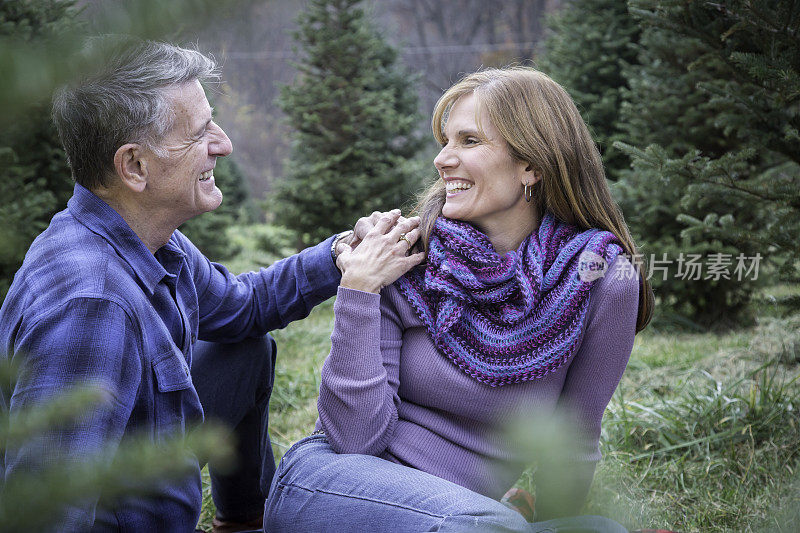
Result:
[511,318]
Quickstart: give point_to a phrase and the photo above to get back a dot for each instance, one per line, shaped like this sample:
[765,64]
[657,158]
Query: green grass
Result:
[302,348]
[706,446]
[702,435]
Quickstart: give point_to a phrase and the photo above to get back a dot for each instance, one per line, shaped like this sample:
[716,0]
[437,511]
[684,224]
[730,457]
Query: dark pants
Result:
[234,382]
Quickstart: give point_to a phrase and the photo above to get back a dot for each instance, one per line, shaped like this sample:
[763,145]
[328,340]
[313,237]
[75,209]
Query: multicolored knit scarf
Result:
[511,318]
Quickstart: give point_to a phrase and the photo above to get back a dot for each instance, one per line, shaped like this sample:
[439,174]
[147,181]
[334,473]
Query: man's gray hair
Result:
[124,101]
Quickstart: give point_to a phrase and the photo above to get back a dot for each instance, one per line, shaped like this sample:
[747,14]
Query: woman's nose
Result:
[445,159]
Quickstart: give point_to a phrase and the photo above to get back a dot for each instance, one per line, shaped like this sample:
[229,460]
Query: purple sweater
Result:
[387,391]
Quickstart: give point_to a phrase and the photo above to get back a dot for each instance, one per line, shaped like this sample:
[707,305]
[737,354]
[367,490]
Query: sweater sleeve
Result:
[591,380]
[358,392]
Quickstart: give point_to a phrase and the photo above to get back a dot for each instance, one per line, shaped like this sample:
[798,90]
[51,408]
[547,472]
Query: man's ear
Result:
[131,166]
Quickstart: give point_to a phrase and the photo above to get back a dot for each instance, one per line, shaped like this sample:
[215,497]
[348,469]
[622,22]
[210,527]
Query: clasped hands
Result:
[378,251]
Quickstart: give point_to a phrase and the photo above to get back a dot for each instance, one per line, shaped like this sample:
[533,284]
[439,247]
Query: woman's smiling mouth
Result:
[456,186]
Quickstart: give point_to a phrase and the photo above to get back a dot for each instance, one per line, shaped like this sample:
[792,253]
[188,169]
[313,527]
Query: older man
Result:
[111,292]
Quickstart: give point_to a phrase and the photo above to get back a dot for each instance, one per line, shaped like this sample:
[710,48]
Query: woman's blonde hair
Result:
[542,126]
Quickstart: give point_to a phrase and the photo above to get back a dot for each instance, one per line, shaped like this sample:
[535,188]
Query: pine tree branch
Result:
[733,186]
[767,23]
[767,124]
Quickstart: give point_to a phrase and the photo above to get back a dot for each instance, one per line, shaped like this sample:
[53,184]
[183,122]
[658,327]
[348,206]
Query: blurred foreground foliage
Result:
[34,500]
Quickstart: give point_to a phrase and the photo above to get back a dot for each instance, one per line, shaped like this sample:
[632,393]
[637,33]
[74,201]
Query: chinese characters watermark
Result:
[696,267]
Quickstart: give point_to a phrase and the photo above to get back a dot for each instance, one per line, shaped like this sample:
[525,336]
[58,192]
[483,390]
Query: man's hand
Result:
[363,226]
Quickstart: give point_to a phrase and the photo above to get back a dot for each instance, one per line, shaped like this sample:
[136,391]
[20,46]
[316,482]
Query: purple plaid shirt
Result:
[92,303]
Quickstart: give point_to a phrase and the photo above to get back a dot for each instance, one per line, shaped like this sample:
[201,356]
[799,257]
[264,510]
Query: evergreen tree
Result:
[35,173]
[354,111]
[590,44]
[748,63]
[666,107]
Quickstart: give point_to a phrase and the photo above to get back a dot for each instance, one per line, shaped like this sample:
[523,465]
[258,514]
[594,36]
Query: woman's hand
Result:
[381,255]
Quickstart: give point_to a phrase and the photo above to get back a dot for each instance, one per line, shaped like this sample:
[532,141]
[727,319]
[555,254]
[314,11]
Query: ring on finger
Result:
[404,238]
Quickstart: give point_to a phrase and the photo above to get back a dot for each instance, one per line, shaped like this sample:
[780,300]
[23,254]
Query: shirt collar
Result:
[103,220]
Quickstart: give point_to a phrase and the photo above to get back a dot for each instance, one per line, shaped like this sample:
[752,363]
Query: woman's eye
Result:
[470,140]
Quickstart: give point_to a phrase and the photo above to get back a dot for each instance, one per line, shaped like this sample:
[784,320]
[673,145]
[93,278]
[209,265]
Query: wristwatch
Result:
[335,243]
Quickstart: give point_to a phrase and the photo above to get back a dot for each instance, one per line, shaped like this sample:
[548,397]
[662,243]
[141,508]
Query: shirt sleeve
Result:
[591,380]
[358,397]
[86,341]
[233,308]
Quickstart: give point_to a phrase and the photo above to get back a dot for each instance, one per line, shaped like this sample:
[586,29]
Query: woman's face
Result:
[484,183]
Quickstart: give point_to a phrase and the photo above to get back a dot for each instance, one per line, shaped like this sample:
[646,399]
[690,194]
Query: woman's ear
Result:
[532,176]
[130,166]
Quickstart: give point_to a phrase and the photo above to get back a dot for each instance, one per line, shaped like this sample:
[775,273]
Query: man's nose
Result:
[221,144]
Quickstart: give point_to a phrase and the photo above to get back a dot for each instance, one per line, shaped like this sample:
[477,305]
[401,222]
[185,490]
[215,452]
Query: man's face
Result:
[182,183]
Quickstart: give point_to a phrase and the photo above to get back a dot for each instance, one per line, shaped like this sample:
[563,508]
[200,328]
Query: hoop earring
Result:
[528,192]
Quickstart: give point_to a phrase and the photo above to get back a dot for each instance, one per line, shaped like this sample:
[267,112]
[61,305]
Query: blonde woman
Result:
[526,304]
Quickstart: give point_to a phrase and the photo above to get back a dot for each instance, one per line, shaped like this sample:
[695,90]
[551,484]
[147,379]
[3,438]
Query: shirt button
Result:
[194,338]
[186,370]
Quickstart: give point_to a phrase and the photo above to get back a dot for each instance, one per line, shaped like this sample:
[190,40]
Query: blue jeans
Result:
[234,383]
[316,489]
